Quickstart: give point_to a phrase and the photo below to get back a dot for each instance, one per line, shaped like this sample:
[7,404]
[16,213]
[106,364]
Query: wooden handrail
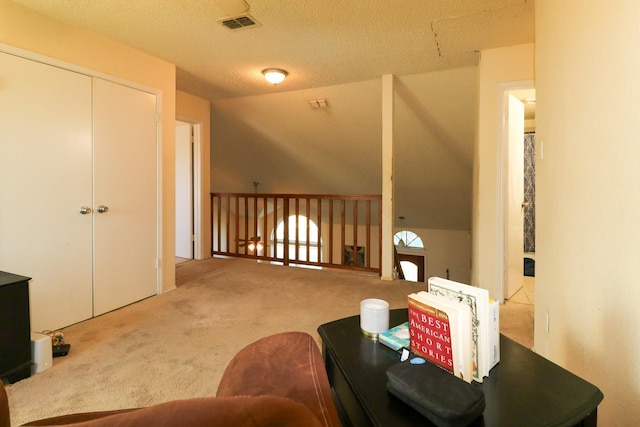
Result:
[237,218]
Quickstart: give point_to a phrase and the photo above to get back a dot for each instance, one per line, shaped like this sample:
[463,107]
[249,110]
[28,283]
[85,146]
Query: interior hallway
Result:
[517,314]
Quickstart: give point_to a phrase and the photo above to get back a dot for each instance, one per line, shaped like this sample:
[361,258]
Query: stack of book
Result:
[440,331]
[453,325]
[485,321]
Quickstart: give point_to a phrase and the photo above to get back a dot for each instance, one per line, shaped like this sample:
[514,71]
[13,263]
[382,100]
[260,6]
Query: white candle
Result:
[374,316]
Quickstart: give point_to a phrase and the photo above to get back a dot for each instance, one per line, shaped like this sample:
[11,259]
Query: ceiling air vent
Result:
[239,22]
[319,103]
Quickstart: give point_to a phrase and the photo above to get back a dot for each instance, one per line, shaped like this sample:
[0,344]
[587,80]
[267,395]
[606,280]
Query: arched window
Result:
[306,243]
[408,239]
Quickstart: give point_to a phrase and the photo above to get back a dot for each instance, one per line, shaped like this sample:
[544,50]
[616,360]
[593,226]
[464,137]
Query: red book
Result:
[440,331]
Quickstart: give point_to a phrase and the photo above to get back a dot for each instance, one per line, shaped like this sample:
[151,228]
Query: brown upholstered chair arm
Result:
[260,411]
[75,418]
[289,365]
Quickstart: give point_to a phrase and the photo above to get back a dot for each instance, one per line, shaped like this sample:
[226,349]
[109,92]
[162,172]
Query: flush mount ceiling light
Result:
[274,75]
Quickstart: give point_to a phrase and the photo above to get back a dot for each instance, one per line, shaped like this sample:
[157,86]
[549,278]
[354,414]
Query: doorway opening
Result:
[517,151]
[518,106]
[188,186]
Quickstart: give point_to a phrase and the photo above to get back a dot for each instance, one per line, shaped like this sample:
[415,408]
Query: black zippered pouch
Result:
[447,401]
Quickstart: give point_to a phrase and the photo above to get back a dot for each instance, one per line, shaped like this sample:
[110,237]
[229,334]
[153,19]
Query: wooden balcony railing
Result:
[338,231]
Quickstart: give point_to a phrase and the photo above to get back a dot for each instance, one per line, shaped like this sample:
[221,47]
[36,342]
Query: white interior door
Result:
[45,178]
[125,182]
[515,197]
[184,190]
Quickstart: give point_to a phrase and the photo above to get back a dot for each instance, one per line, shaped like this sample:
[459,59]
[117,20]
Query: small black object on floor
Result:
[61,350]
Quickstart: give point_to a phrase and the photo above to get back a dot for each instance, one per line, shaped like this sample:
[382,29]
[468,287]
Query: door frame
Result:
[418,260]
[416,256]
[503,180]
[197,174]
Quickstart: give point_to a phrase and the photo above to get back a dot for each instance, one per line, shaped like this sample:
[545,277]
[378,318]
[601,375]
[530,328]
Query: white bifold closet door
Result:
[125,182]
[68,144]
[45,178]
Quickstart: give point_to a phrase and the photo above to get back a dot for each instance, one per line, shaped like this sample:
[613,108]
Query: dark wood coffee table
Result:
[524,389]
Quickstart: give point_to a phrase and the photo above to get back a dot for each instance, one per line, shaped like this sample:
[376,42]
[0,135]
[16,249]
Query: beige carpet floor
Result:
[176,345]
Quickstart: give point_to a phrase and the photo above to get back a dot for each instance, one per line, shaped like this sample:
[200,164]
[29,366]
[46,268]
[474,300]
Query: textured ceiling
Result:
[319,42]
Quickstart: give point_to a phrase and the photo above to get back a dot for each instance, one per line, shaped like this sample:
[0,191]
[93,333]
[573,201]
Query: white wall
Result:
[281,142]
[510,64]
[587,203]
[434,128]
[445,250]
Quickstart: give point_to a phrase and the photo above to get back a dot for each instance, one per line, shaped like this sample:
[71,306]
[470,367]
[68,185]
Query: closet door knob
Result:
[103,209]
[84,210]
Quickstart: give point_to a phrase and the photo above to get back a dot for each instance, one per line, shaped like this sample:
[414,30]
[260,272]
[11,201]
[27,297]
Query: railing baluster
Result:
[228,222]
[355,233]
[308,258]
[331,201]
[319,224]
[368,238]
[265,216]
[297,229]
[285,243]
[342,230]
[255,225]
[275,225]
[237,219]
[212,202]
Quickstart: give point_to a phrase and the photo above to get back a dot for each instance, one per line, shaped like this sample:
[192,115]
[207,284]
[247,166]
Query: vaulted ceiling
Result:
[334,49]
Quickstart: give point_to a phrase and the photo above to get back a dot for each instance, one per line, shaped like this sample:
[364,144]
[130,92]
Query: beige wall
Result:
[193,109]
[444,250]
[448,250]
[511,64]
[24,29]
[587,203]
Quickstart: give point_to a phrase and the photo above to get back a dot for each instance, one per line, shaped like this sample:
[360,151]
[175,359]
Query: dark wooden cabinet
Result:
[15,328]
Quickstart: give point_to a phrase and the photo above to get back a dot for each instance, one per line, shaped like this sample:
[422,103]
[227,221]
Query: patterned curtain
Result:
[530,192]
